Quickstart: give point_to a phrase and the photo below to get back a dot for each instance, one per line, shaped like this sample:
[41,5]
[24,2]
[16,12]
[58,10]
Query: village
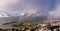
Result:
[35,26]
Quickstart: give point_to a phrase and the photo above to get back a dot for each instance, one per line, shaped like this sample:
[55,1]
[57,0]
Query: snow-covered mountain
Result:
[34,16]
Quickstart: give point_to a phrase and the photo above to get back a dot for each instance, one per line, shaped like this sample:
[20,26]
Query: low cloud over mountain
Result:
[30,8]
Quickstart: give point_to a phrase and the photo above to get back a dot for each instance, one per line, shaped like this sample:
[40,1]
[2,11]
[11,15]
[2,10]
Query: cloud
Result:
[12,6]
[55,13]
[16,7]
[20,7]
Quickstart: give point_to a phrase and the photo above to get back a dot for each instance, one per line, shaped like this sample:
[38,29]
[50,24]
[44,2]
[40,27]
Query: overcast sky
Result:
[19,7]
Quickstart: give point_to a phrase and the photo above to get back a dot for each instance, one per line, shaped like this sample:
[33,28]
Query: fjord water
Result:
[4,20]
[7,19]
